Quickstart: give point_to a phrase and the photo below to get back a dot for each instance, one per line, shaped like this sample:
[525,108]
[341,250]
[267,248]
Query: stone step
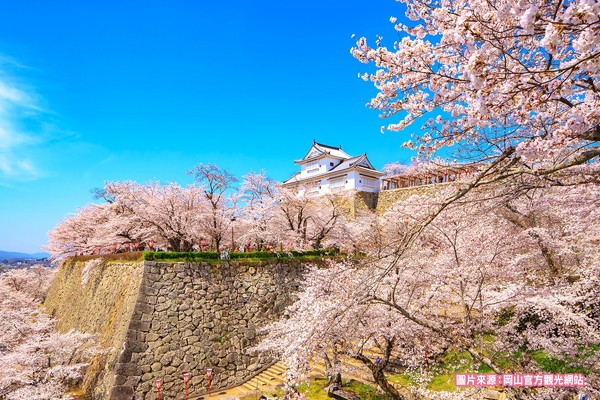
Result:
[272,376]
[267,379]
[262,381]
[351,369]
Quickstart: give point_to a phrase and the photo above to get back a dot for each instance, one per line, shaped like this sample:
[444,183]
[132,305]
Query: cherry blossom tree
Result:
[274,215]
[499,271]
[311,221]
[512,81]
[261,197]
[168,213]
[80,232]
[218,185]
[37,362]
[513,85]
[428,167]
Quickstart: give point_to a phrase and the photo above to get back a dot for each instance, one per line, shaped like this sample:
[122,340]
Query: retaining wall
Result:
[388,198]
[158,320]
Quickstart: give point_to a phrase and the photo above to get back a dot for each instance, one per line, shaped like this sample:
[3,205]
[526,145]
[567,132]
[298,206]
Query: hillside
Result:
[12,255]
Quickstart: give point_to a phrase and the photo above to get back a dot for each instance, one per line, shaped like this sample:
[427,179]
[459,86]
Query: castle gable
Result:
[322,150]
[327,169]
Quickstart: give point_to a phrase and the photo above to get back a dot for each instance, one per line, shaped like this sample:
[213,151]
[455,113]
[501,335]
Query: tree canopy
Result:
[509,78]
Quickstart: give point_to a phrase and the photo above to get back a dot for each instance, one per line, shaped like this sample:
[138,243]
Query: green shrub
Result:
[254,255]
[555,365]
[187,256]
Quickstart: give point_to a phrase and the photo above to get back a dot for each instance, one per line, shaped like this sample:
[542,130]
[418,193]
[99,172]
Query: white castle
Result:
[327,169]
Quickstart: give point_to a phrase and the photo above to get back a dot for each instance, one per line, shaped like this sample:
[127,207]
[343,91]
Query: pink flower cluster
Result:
[507,73]
[540,379]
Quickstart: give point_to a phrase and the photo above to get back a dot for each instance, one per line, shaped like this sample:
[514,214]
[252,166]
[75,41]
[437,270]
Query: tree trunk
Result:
[174,244]
[379,376]
[185,246]
[382,382]
[334,379]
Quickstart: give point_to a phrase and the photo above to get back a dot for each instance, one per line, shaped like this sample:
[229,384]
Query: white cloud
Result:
[19,119]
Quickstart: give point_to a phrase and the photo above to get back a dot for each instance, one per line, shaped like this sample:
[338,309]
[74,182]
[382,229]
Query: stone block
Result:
[136,316]
[151,300]
[151,337]
[125,356]
[156,367]
[139,325]
[128,369]
[490,394]
[176,362]
[144,308]
[137,347]
[147,377]
[120,380]
[121,393]
[132,381]
[166,359]
[192,339]
[149,290]
[170,370]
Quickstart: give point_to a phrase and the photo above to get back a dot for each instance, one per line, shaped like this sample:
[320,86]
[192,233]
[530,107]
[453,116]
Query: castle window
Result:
[312,167]
[369,183]
[313,187]
[335,185]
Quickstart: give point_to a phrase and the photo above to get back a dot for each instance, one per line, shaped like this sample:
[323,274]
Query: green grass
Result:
[439,383]
[555,365]
[251,255]
[443,372]
[454,362]
[401,379]
[442,383]
[364,391]
[316,390]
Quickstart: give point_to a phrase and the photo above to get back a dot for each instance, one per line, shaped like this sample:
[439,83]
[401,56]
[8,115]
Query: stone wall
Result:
[160,320]
[355,202]
[100,301]
[192,317]
[365,201]
[358,202]
[388,198]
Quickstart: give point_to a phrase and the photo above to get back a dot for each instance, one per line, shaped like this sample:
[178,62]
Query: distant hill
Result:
[12,255]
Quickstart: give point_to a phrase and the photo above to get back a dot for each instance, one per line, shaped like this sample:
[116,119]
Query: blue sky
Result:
[141,90]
